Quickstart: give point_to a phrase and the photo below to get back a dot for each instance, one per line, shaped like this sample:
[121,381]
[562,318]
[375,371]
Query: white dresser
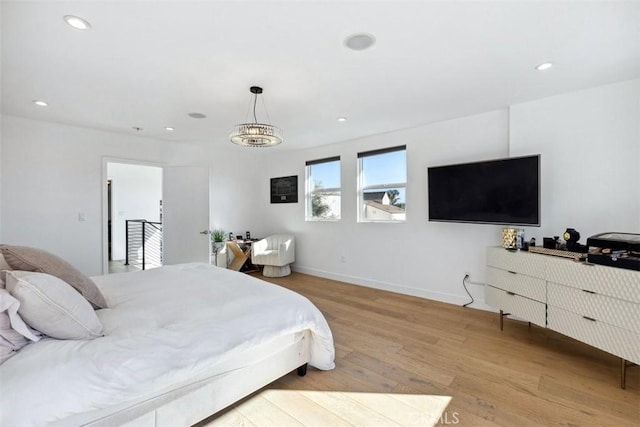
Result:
[594,304]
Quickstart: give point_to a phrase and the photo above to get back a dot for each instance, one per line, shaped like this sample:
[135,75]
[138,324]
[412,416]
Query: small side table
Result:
[242,253]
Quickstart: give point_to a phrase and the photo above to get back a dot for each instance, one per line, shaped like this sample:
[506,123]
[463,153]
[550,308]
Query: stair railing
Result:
[144,243]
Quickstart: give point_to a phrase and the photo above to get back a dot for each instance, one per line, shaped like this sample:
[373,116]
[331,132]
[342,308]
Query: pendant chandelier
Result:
[256,134]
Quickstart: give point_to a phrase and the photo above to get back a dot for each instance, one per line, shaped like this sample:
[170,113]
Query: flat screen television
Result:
[503,191]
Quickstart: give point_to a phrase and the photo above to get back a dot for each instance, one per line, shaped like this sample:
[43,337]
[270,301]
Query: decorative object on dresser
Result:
[510,238]
[615,249]
[595,304]
[576,256]
[572,237]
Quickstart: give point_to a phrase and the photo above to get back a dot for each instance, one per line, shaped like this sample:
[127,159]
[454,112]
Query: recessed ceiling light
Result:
[342,119]
[169,128]
[544,66]
[76,22]
[40,103]
[197,115]
[360,41]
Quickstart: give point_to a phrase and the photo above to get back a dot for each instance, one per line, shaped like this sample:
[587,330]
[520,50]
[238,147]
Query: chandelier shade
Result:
[256,134]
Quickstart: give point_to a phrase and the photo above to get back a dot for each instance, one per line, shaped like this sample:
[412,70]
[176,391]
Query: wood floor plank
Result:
[403,369]
[380,381]
[399,411]
[261,412]
[517,404]
[365,341]
[398,344]
[356,412]
[571,392]
[303,409]
[231,418]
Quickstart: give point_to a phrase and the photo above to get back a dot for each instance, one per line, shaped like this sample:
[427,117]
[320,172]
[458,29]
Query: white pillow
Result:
[52,306]
[13,331]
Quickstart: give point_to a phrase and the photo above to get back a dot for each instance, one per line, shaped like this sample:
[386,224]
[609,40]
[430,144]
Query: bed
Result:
[180,343]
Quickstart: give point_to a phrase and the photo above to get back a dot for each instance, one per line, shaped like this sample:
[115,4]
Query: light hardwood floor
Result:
[522,376]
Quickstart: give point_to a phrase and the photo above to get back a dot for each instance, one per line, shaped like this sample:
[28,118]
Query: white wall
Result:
[590,153]
[415,257]
[237,196]
[589,142]
[52,173]
[136,192]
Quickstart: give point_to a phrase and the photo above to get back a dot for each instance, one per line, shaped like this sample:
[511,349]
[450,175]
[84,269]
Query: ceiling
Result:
[148,64]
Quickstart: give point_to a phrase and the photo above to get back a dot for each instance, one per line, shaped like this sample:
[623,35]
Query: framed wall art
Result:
[284,189]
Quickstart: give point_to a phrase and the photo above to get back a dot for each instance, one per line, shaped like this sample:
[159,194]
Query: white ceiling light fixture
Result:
[360,41]
[169,129]
[40,103]
[256,134]
[76,22]
[342,119]
[544,66]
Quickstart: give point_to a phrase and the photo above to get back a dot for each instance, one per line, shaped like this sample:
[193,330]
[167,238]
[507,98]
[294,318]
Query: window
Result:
[382,181]
[323,190]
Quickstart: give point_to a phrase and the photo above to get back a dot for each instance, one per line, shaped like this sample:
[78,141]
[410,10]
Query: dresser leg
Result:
[623,373]
[502,314]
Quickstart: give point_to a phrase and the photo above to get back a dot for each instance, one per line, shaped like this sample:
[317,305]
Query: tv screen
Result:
[504,191]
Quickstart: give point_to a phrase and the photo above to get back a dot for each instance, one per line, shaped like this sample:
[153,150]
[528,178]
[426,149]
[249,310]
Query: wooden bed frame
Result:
[193,402]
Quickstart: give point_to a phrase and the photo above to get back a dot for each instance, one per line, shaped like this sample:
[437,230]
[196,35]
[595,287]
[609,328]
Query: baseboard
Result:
[392,287]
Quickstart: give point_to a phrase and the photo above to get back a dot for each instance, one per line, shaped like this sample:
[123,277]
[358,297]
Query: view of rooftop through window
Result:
[382,185]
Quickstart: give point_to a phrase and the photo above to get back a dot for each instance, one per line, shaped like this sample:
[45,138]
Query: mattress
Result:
[165,328]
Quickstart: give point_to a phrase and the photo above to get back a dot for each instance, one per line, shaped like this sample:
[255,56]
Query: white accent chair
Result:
[275,253]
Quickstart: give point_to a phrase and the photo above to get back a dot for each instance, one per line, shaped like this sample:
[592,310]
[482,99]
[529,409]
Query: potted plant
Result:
[217,239]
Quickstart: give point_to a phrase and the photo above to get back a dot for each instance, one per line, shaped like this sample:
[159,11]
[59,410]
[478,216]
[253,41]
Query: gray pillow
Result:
[32,259]
[53,307]
[3,266]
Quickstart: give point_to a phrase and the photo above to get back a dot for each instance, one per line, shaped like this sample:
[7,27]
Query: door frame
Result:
[105,214]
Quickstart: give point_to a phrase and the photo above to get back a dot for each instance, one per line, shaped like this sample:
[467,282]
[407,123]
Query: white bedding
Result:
[164,326]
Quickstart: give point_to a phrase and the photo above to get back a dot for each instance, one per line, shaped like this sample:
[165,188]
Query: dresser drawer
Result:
[525,308]
[612,339]
[616,282]
[623,314]
[521,284]
[517,261]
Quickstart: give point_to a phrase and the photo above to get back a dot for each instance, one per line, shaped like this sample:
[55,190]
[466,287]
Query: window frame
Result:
[309,192]
[362,189]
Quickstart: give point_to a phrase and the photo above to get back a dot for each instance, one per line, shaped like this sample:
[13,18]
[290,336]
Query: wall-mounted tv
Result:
[503,191]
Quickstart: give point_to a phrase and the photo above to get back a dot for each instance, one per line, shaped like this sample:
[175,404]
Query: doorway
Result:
[133,197]
[109,235]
